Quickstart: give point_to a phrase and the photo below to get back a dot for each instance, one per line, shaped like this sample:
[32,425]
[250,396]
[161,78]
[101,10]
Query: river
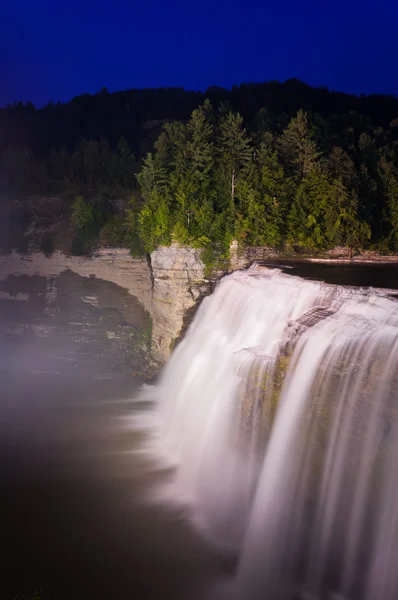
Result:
[74,517]
[79,518]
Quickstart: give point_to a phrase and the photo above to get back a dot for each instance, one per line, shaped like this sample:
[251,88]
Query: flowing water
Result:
[278,411]
[262,465]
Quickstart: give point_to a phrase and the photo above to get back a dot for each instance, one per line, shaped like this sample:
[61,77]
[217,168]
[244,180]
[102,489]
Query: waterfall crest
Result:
[279,410]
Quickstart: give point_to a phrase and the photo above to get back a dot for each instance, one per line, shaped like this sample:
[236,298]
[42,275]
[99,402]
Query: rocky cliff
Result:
[71,325]
[178,285]
[114,265]
[168,286]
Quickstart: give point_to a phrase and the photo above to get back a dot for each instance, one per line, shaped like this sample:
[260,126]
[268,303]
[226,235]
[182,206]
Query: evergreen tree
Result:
[154,221]
[191,183]
[264,194]
[83,213]
[342,219]
[370,204]
[306,220]
[298,146]
[152,177]
[235,148]
[389,177]
[200,148]
[340,165]
[177,139]
[162,150]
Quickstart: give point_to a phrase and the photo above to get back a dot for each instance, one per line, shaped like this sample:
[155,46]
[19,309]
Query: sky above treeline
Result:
[54,50]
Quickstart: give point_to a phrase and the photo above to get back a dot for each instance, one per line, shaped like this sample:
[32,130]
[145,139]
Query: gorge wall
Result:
[178,285]
[168,286]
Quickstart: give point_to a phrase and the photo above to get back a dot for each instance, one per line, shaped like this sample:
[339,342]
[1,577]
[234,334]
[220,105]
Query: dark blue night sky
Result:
[54,50]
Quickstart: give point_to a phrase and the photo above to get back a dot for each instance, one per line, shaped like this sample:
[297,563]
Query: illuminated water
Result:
[261,466]
[279,412]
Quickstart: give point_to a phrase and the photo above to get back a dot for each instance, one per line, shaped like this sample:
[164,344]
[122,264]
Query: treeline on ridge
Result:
[211,180]
[284,178]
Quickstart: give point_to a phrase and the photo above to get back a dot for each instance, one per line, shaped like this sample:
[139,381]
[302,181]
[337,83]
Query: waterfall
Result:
[279,411]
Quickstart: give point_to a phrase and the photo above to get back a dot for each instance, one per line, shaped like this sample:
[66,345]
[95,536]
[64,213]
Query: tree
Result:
[162,150]
[343,224]
[82,213]
[177,140]
[340,165]
[298,146]
[154,227]
[235,148]
[389,178]
[370,204]
[152,177]
[306,220]
[264,195]
[200,148]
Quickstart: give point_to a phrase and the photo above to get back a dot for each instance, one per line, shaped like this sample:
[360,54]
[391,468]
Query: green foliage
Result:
[86,239]
[277,176]
[82,213]
[214,258]
[154,222]
[235,149]
[115,232]
[306,221]
[210,182]
[343,224]
[151,177]
[263,193]
[298,146]
[134,242]
[389,178]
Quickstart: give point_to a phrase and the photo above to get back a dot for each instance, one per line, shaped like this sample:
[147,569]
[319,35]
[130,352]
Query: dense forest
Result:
[281,165]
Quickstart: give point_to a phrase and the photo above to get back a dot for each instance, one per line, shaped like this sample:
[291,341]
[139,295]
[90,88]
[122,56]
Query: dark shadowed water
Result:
[363,275]
[74,516]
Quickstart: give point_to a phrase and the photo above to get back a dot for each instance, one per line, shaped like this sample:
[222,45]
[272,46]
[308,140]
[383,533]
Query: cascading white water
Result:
[279,409]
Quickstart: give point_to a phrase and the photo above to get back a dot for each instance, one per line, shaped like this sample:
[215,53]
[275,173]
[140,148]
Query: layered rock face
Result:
[114,265]
[178,285]
[169,286]
[71,325]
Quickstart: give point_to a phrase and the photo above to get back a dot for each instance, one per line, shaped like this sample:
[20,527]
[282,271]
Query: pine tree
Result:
[343,224]
[298,146]
[369,201]
[340,165]
[177,136]
[389,177]
[306,220]
[191,187]
[151,177]
[200,148]
[162,150]
[154,226]
[266,191]
[235,148]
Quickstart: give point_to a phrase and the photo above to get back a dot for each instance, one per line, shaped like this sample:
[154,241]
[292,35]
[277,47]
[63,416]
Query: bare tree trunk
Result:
[233,184]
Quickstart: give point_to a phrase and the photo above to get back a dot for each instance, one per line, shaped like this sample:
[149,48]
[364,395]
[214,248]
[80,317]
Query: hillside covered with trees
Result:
[299,184]
[281,165]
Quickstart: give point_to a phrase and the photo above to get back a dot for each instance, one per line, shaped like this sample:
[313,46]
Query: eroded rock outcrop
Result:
[168,286]
[114,265]
[178,285]
[71,325]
